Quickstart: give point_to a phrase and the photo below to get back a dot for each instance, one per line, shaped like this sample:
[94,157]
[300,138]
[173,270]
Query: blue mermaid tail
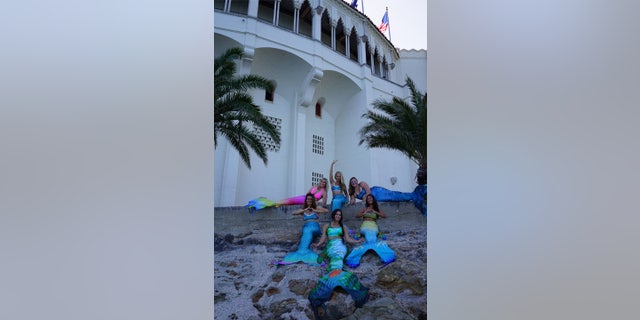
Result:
[304,254]
[370,232]
[338,202]
[417,197]
[321,293]
[385,195]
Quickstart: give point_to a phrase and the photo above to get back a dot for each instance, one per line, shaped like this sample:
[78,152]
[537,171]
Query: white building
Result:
[329,62]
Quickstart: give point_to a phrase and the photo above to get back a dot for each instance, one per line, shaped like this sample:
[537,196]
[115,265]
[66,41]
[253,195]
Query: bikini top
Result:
[334,232]
[312,216]
[335,188]
[361,194]
[316,192]
[372,215]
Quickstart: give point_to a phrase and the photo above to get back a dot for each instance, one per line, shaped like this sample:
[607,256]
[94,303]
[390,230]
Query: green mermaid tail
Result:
[321,293]
[369,230]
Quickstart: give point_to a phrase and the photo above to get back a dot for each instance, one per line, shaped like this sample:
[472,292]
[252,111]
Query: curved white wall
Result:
[305,70]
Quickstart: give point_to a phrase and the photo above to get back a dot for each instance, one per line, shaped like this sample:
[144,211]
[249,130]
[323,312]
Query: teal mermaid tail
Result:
[304,254]
[370,232]
[338,202]
[321,293]
[335,251]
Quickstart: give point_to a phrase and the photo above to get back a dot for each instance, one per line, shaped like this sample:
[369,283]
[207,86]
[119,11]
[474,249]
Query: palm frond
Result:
[398,125]
[235,115]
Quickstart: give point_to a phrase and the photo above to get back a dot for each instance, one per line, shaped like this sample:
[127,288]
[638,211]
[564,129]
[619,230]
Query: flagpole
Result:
[388,23]
[362,2]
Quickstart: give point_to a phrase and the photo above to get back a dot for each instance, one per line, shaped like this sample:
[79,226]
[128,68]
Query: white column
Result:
[253,8]
[229,177]
[317,26]
[347,45]
[297,178]
[362,51]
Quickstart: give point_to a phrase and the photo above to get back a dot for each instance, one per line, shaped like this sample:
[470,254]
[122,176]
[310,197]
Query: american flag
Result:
[385,22]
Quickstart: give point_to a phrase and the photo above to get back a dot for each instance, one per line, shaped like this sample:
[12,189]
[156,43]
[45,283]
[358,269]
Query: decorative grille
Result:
[265,139]
[318,144]
[316,177]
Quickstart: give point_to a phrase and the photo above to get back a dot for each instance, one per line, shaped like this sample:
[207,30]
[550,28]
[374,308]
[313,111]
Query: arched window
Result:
[219,4]
[376,62]
[239,6]
[265,10]
[269,94]
[353,45]
[341,38]
[326,29]
[305,25]
[368,54]
[318,109]
[385,68]
[285,15]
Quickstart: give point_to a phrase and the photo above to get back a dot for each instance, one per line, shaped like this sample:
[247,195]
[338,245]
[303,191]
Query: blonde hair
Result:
[343,187]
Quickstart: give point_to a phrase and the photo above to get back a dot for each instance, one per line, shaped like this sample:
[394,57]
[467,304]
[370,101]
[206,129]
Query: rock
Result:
[272,290]
[249,286]
[301,287]
[277,276]
[256,296]
[400,277]
[280,307]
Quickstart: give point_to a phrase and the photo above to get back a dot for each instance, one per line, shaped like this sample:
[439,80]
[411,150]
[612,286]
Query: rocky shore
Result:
[248,285]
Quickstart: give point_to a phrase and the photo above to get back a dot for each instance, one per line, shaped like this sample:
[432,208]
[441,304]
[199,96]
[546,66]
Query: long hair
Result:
[343,187]
[326,183]
[352,189]
[374,203]
[313,200]
[333,214]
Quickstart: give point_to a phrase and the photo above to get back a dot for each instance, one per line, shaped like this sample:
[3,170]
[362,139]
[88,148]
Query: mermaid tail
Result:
[335,251]
[370,231]
[338,201]
[321,293]
[262,202]
[385,195]
[304,254]
[417,197]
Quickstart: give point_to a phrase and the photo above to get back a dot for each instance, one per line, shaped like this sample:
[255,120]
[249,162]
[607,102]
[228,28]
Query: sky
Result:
[407,20]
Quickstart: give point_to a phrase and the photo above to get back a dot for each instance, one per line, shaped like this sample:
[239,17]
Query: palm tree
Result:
[400,126]
[234,113]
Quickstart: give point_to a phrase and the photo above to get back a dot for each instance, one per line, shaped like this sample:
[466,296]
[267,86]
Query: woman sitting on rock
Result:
[336,249]
[310,230]
[369,230]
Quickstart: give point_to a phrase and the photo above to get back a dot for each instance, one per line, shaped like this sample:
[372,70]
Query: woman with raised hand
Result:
[338,188]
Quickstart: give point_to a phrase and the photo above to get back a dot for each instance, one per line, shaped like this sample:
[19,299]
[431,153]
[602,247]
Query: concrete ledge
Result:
[280,223]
